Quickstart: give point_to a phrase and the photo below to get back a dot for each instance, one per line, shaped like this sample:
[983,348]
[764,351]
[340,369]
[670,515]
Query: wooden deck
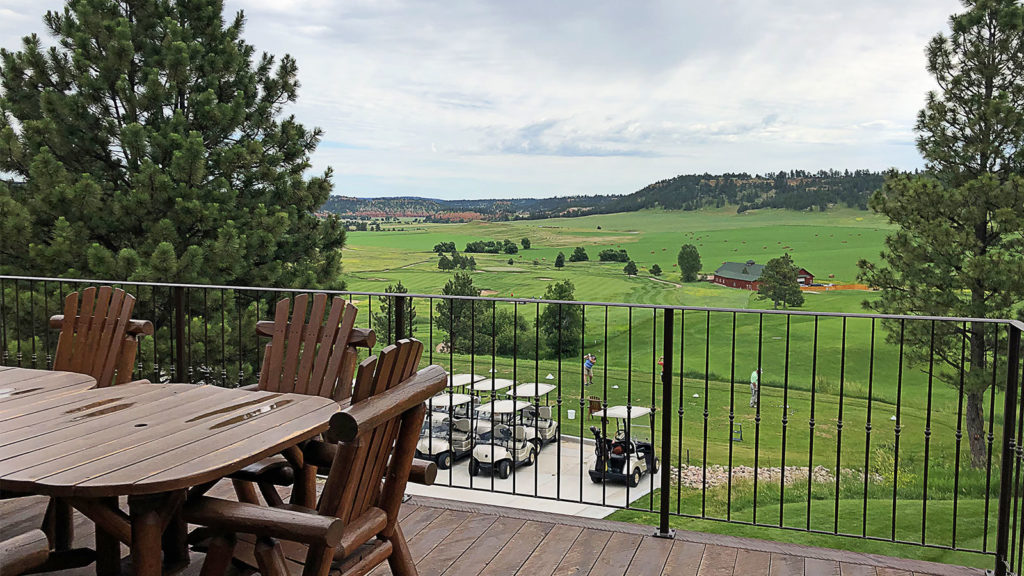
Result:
[461,539]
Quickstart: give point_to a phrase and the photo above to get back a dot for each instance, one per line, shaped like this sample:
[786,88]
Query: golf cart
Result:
[538,417]
[447,433]
[507,444]
[623,458]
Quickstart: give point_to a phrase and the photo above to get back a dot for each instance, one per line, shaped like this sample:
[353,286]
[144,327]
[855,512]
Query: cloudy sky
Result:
[454,99]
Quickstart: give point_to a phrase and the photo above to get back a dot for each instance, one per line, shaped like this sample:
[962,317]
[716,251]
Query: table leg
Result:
[147,530]
[175,541]
[108,547]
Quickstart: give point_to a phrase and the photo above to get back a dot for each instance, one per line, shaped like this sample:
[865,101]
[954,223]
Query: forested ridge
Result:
[790,190]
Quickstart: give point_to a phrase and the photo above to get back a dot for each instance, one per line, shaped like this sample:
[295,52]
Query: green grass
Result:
[829,359]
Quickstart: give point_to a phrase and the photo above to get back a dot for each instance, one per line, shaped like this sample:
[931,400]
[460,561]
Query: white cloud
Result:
[462,98]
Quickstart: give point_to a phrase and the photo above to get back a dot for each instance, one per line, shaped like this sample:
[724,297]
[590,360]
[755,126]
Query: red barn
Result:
[746,274]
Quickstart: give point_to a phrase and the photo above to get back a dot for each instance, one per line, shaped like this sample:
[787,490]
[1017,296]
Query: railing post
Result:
[1008,448]
[179,333]
[398,306]
[666,425]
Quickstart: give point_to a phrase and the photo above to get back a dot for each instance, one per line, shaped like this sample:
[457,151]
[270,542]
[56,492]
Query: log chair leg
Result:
[218,555]
[108,547]
[304,491]
[147,529]
[175,541]
[59,524]
[318,560]
[400,561]
[270,494]
[245,491]
[270,557]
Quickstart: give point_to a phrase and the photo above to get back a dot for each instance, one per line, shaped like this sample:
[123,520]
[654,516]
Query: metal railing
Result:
[886,428]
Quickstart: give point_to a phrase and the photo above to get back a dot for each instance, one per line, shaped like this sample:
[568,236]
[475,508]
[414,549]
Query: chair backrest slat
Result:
[366,463]
[308,355]
[94,332]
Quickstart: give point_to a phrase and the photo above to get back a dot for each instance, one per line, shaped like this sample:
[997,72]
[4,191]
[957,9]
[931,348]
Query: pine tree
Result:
[579,255]
[526,243]
[630,268]
[384,322]
[656,270]
[689,262]
[153,147]
[958,250]
[455,317]
[560,260]
[779,283]
[561,324]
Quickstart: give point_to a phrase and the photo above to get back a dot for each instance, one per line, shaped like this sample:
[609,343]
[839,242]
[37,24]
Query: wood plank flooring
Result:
[460,539]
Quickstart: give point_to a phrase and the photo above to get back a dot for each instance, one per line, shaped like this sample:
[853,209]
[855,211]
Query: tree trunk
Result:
[976,429]
[976,397]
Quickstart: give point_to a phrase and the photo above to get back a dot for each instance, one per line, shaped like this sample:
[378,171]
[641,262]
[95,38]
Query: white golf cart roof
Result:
[502,407]
[491,385]
[620,412]
[455,380]
[532,390]
[445,400]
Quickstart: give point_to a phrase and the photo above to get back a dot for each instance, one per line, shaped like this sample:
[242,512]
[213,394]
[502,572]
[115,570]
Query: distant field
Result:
[826,244]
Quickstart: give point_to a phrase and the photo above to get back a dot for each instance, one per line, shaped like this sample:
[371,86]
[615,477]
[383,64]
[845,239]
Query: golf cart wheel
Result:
[444,460]
[474,467]
[656,466]
[537,444]
[634,478]
[531,458]
[595,479]
[504,469]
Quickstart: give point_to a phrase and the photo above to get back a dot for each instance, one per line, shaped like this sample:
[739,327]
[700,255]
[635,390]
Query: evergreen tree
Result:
[457,318]
[689,262]
[957,249]
[656,270]
[384,322]
[630,268]
[445,263]
[778,283]
[579,255]
[526,243]
[561,324]
[153,147]
[560,260]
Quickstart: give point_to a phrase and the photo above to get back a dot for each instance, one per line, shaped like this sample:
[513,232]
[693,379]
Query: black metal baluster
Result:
[238,328]
[1015,458]
[654,406]
[757,410]
[990,439]
[928,430]
[896,448]
[810,422]
[32,322]
[583,406]
[785,426]
[223,340]
[867,431]
[629,389]
[17,322]
[604,406]
[959,432]
[704,449]
[839,425]
[732,417]
[3,319]
[681,410]
[46,333]
[666,431]
[558,452]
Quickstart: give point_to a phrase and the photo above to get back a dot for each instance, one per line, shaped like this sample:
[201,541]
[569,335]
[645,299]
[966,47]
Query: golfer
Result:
[588,369]
[754,383]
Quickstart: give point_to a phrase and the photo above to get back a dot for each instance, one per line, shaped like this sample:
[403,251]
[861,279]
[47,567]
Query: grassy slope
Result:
[824,243]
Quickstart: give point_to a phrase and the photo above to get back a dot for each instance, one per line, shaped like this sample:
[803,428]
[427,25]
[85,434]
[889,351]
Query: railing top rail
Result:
[1015,323]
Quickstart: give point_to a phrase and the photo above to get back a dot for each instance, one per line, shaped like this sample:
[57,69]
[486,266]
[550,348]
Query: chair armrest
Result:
[23,552]
[142,381]
[423,472]
[227,515]
[250,387]
[348,424]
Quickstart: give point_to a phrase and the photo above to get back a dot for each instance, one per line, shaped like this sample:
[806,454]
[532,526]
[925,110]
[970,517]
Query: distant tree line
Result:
[613,255]
[492,247]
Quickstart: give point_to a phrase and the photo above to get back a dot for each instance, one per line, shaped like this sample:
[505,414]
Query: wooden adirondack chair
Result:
[355,525]
[98,337]
[23,553]
[306,355]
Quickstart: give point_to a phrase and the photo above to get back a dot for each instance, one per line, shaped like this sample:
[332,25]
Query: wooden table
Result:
[61,437]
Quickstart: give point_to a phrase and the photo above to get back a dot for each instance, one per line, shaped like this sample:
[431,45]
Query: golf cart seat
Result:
[544,413]
[462,425]
[520,433]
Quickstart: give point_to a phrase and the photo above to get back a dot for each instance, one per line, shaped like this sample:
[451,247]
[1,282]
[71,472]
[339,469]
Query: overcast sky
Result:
[454,99]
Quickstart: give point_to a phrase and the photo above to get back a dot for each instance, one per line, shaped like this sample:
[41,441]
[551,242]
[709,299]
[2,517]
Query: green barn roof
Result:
[747,271]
